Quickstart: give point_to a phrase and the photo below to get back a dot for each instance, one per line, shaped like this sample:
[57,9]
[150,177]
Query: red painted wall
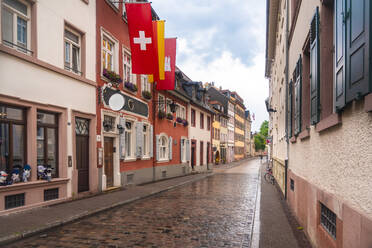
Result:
[110,19]
[166,126]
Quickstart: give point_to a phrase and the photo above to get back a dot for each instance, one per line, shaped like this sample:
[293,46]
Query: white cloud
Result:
[223,42]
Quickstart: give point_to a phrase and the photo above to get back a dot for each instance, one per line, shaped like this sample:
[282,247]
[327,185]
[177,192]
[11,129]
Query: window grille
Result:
[328,220]
[81,126]
[292,184]
[13,201]
[51,194]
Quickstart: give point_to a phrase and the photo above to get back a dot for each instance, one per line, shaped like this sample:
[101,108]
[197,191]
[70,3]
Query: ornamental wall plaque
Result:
[130,104]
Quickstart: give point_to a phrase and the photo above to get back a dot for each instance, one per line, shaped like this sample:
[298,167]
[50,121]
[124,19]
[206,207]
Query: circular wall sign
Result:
[116,102]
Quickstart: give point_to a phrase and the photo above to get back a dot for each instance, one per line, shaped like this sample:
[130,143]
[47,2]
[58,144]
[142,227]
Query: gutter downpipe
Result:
[286,96]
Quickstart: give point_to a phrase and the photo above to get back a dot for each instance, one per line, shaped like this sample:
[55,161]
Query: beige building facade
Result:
[328,104]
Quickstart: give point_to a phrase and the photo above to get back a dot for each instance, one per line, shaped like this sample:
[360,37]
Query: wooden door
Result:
[109,161]
[82,162]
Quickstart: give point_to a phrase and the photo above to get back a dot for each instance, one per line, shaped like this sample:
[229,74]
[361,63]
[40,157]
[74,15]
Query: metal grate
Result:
[130,178]
[164,174]
[50,194]
[13,201]
[328,220]
[292,184]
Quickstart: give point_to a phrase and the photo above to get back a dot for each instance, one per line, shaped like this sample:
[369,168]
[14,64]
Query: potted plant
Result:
[179,120]
[185,123]
[146,94]
[112,77]
[130,86]
[161,114]
[169,116]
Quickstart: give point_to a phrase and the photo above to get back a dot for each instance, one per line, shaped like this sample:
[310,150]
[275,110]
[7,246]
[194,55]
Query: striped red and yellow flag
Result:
[158,33]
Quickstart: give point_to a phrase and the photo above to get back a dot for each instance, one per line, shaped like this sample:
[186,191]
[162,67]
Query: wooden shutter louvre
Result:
[357,49]
[157,138]
[298,83]
[290,97]
[122,139]
[170,147]
[314,69]
[151,144]
[339,40]
[187,150]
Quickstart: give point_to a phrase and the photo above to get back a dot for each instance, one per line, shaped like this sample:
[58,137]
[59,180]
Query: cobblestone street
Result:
[214,212]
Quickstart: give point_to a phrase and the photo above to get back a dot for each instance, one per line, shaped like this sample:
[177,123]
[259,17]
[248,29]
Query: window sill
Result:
[130,159]
[134,93]
[304,134]
[330,121]
[163,161]
[33,184]
[145,158]
[368,103]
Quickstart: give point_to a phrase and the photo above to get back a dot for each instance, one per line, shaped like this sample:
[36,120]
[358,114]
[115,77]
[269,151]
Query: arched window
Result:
[163,148]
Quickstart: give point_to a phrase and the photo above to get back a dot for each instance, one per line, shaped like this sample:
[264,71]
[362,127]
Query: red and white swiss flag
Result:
[141,37]
[169,65]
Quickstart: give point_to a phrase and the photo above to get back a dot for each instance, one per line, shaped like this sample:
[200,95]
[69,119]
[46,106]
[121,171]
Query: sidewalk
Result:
[19,225]
[278,227]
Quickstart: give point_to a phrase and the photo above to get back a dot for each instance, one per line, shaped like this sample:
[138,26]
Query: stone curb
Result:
[14,237]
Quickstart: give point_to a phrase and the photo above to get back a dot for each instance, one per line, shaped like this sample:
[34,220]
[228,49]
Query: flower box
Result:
[130,86]
[169,116]
[112,77]
[179,120]
[147,95]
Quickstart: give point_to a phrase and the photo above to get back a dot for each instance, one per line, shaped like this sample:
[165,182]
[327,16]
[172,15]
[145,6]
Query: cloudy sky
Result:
[221,41]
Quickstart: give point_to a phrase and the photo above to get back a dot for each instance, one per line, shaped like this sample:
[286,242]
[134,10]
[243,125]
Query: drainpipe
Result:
[286,95]
[153,133]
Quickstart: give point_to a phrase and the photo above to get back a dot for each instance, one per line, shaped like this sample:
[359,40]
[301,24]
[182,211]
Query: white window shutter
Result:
[181,147]
[170,148]
[157,147]
[122,139]
[139,139]
[151,144]
[187,150]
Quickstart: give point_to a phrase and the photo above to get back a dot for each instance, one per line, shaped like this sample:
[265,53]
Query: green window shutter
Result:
[139,139]
[122,139]
[339,40]
[170,147]
[157,138]
[314,69]
[298,98]
[290,96]
[358,48]
[151,142]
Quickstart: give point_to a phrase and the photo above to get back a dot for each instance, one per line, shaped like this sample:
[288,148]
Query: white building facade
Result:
[48,111]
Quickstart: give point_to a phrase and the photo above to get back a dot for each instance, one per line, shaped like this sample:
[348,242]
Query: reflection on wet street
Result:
[214,212]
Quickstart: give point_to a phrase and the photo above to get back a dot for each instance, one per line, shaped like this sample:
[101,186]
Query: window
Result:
[124,10]
[50,194]
[129,140]
[107,54]
[145,85]
[314,69]
[115,3]
[127,70]
[161,103]
[13,201]
[169,102]
[163,148]
[183,150]
[201,121]
[193,117]
[15,24]
[12,136]
[146,141]
[109,123]
[297,77]
[72,51]
[47,129]
[201,152]
[208,123]
[328,220]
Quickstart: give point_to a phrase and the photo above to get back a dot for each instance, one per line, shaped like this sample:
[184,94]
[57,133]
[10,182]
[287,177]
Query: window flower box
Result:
[185,123]
[161,114]
[130,86]
[179,120]
[169,116]
[112,77]
[146,94]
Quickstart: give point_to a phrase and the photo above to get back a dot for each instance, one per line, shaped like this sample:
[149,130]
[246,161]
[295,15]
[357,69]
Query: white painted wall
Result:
[199,134]
[51,16]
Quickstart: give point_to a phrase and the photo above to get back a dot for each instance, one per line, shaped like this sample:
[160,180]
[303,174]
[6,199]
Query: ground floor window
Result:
[129,139]
[12,138]
[146,141]
[47,132]
[163,148]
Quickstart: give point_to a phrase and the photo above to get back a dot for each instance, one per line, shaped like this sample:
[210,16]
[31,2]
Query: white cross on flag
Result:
[167,63]
[140,35]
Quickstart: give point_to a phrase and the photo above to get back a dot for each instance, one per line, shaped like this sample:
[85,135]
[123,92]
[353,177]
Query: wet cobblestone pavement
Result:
[214,212]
